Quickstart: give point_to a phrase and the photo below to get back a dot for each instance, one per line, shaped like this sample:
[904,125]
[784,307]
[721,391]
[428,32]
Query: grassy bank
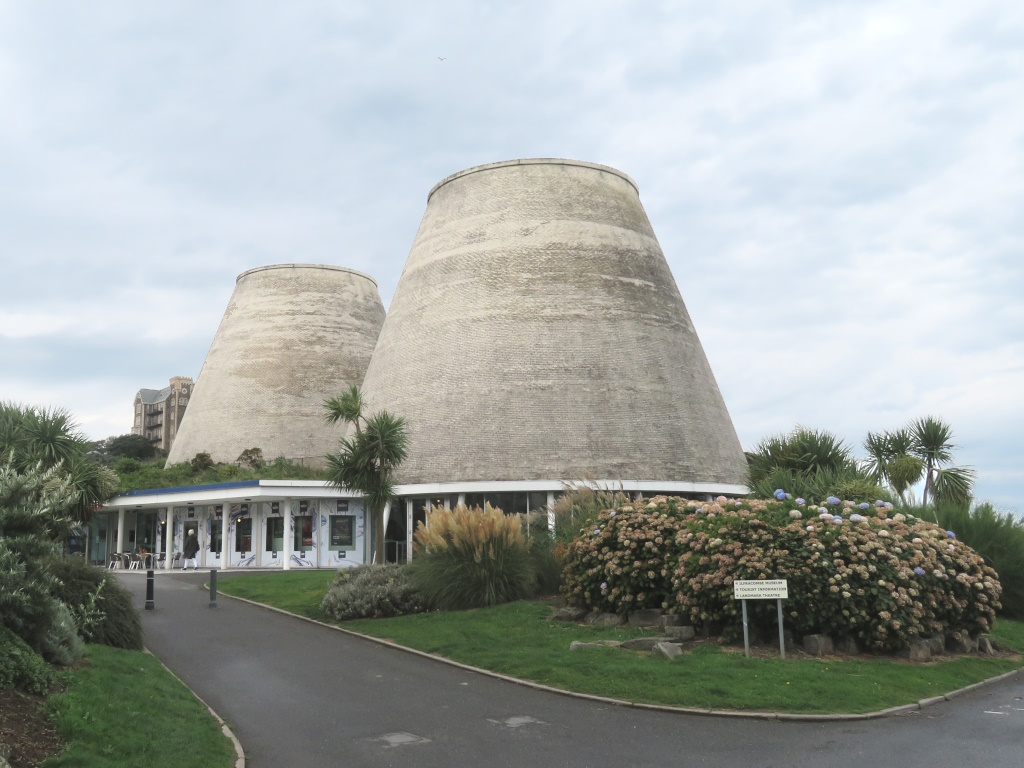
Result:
[515,639]
[124,709]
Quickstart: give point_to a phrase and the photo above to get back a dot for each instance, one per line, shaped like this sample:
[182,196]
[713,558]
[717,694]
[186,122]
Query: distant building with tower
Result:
[158,412]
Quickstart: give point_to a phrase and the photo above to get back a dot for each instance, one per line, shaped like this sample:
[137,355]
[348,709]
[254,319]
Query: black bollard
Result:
[149,590]
[213,587]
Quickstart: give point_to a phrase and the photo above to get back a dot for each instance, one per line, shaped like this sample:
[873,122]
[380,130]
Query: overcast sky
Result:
[838,187]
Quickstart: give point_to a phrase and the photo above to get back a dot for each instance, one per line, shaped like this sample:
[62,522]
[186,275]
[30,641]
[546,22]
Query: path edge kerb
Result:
[640,705]
[224,728]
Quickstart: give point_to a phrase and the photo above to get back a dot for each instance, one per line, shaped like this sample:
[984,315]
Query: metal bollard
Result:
[213,587]
[149,590]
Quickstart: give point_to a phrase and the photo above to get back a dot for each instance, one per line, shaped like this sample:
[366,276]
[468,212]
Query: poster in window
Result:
[342,531]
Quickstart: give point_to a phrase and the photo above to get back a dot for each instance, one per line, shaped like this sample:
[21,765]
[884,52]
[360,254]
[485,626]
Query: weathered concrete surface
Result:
[291,336]
[537,333]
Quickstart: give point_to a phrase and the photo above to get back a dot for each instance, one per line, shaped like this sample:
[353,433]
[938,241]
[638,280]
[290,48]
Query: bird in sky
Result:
[442,58]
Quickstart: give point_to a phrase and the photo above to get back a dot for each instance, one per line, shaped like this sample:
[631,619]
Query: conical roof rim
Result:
[533,161]
[308,266]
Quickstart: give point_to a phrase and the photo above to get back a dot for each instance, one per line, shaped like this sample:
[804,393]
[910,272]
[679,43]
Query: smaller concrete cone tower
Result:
[292,335]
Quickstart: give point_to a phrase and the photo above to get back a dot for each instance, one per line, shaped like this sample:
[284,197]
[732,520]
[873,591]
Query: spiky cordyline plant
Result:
[367,461]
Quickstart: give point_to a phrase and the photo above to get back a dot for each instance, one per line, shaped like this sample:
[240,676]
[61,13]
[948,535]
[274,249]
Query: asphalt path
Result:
[297,694]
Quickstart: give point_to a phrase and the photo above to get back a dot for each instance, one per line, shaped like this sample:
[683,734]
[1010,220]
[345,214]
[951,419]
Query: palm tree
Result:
[932,444]
[49,439]
[367,461]
[890,460]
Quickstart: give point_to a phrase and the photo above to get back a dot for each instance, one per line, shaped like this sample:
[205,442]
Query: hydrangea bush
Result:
[862,571]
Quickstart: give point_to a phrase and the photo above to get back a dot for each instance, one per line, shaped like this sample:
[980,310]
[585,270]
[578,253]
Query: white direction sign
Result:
[760,589]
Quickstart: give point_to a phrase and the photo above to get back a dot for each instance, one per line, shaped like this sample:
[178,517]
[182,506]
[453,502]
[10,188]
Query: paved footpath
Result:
[297,694]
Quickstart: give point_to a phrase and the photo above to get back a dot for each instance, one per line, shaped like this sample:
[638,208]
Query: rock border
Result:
[641,705]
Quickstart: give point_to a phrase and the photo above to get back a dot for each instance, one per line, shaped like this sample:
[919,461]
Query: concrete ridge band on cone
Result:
[641,705]
[537,332]
[224,728]
[291,336]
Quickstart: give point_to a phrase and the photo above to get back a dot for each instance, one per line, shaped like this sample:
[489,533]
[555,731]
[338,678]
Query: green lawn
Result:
[125,709]
[515,639]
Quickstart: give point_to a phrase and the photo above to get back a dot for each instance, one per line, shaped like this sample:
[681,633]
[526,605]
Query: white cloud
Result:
[837,187]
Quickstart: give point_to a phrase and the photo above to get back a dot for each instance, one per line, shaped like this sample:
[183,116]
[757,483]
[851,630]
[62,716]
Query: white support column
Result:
[408,528]
[120,530]
[551,511]
[638,496]
[462,500]
[225,545]
[382,533]
[286,510]
[169,537]
[447,502]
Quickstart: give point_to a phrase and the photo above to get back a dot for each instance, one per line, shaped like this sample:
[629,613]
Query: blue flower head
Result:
[833,500]
[919,571]
[879,503]
[780,494]
[837,519]
[864,505]
[950,534]
[800,502]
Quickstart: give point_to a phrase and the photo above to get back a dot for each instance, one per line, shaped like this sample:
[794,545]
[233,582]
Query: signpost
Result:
[761,589]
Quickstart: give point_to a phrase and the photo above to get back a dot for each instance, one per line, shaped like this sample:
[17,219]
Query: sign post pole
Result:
[782,637]
[761,589]
[746,633]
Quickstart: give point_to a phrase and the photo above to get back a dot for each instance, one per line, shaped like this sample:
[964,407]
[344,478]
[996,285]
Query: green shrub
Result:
[371,592]
[470,558]
[883,580]
[127,465]
[60,643]
[103,608]
[996,536]
[545,564]
[21,668]
[844,483]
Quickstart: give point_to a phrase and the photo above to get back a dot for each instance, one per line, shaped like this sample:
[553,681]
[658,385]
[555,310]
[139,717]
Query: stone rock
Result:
[668,650]
[647,617]
[671,620]
[569,613]
[985,645]
[680,634]
[847,645]
[641,643]
[960,642]
[603,619]
[991,641]
[818,645]
[920,651]
[578,645]
[935,644]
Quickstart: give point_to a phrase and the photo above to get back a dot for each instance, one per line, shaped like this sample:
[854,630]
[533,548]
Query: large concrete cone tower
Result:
[292,335]
[536,333]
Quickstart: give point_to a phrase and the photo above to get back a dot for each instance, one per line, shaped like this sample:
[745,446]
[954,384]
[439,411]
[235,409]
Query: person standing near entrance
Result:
[191,550]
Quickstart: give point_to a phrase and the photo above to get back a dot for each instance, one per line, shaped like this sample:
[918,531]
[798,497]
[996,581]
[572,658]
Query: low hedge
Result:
[104,610]
[860,571]
[21,668]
